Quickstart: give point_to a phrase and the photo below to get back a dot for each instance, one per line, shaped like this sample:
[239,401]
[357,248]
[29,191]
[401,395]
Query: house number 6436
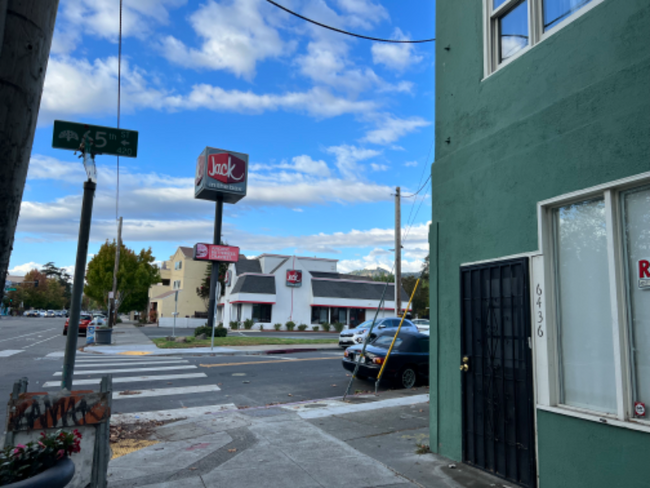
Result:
[540,315]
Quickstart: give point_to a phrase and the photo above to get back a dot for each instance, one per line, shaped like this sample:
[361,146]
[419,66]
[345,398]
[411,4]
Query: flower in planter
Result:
[27,460]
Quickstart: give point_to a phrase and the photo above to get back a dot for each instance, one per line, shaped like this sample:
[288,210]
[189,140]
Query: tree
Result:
[135,276]
[49,294]
[63,278]
[203,291]
[420,302]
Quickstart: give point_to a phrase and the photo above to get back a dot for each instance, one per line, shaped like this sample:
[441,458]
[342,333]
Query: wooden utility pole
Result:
[26,29]
[398,253]
[112,312]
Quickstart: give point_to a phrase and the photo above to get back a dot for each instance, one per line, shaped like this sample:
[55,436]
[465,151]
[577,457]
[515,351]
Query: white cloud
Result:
[390,128]
[100,18]
[363,13]
[23,269]
[298,210]
[305,164]
[395,56]
[378,167]
[235,38]
[347,158]
[77,86]
[411,164]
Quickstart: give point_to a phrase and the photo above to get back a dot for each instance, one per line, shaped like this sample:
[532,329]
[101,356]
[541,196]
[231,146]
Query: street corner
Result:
[134,353]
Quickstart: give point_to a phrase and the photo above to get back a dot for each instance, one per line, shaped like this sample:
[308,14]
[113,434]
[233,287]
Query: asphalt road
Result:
[34,348]
[153,332]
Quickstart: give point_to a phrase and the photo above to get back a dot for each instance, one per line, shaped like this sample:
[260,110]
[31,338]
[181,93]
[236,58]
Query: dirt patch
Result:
[138,431]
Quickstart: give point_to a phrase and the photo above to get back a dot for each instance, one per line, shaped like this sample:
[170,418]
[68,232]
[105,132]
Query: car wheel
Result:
[407,377]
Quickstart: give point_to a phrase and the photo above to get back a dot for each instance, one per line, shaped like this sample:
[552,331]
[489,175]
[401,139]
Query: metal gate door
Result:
[496,369]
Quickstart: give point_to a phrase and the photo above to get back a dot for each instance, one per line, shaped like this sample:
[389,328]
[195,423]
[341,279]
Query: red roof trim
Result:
[244,301]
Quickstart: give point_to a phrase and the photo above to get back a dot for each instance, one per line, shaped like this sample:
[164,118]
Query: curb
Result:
[188,352]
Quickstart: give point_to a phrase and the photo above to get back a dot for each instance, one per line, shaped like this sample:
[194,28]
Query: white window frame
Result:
[177,285]
[536,32]
[178,265]
[546,345]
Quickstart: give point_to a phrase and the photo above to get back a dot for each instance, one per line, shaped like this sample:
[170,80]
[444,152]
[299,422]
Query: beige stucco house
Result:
[180,273]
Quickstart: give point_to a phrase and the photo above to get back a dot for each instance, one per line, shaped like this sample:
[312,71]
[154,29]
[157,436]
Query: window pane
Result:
[636,207]
[555,11]
[497,3]
[513,31]
[585,319]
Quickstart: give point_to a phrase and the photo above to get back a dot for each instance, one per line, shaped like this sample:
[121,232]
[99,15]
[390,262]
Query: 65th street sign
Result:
[106,140]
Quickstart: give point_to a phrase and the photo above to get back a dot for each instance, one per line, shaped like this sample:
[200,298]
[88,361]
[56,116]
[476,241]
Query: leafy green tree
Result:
[63,277]
[135,275]
[203,291]
[49,294]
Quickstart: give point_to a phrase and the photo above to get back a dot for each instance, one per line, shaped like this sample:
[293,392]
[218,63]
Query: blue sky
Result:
[332,125]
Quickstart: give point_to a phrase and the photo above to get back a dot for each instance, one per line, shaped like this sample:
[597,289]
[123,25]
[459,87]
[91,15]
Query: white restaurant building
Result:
[274,288]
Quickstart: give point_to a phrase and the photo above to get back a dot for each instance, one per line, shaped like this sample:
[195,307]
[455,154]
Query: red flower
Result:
[60,454]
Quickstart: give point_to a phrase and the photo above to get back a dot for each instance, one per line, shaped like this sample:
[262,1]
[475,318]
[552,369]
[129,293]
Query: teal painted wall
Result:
[572,112]
[616,457]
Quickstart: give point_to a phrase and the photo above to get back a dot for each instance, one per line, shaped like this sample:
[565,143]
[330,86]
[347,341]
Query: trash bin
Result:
[103,335]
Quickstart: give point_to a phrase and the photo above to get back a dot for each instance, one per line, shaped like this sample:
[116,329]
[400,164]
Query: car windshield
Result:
[86,317]
[385,341]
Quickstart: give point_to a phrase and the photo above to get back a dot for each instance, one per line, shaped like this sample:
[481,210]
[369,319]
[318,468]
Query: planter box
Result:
[57,476]
[103,336]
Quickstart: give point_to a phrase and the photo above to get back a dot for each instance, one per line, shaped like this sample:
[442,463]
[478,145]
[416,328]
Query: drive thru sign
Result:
[211,252]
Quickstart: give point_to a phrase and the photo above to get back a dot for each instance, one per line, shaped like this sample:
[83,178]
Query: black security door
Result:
[496,369]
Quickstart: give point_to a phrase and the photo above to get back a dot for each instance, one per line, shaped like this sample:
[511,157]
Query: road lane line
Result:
[129,379]
[277,361]
[10,352]
[129,363]
[44,340]
[176,413]
[25,335]
[133,370]
[181,390]
[126,359]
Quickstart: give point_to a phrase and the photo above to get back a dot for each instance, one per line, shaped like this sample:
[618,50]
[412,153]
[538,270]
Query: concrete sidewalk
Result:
[130,340]
[315,444]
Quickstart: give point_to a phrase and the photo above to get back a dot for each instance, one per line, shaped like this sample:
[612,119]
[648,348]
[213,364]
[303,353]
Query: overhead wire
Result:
[341,31]
[119,100]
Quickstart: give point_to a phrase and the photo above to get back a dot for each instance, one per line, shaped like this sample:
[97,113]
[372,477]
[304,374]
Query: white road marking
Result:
[359,407]
[129,363]
[133,370]
[25,335]
[10,352]
[92,358]
[181,390]
[44,340]
[176,413]
[57,354]
[129,379]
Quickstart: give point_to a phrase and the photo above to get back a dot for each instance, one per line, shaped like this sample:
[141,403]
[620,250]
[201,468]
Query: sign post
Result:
[90,140]
[221,176]
[175,313]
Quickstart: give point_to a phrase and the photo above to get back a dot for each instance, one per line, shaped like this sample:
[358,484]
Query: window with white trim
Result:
[599,250]
[177,284]
[512,26]
[178,265]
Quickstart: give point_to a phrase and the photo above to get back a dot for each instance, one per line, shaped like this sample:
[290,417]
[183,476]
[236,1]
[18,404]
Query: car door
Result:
[423,358]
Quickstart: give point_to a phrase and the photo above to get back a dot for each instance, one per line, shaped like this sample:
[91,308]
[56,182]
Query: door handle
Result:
[465,366]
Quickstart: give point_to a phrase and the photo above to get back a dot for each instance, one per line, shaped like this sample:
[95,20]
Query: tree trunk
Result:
[24,52]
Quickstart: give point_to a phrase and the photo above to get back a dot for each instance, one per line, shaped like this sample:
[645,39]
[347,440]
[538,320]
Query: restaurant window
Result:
[262,312]
[319,315]
[338,314]
[357,316]
[600,309]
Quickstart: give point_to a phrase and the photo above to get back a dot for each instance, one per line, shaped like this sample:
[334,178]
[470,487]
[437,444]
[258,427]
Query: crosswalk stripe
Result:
[129,379]
[10,352]
[126,359]
[176,413]
[137,363]
[181,390]
[132,370]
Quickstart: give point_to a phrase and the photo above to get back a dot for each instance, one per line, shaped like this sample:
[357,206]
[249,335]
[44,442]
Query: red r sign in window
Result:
[644,268]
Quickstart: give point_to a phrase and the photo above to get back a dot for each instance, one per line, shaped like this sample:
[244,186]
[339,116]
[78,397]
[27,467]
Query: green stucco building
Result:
[540,240]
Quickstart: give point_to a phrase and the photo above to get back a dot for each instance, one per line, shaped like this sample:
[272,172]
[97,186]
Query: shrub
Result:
[315,328]
[290,325]
[234,325]
[277,326]
[203,329]
[302,327]
[326,326]
[338,326]
[118,320]
[248,324]
[220,331]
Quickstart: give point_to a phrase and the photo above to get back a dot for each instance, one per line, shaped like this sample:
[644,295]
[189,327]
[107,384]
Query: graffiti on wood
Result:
[34,411]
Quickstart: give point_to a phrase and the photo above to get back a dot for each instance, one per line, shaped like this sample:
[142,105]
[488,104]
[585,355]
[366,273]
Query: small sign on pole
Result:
[212,252]
[105,140]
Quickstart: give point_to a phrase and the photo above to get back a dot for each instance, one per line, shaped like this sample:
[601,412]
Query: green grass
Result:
[162,343]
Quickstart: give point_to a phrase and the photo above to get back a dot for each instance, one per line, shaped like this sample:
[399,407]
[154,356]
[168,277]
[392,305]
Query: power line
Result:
[421,188]
[360,36]
[119,96]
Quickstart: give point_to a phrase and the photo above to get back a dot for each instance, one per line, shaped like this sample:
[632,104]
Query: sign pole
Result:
[215,317]
[175,313]
[214,276]
[78,284]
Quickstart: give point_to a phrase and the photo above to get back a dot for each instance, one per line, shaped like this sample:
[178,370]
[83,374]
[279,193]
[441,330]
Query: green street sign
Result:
[11,289]
[105,140]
